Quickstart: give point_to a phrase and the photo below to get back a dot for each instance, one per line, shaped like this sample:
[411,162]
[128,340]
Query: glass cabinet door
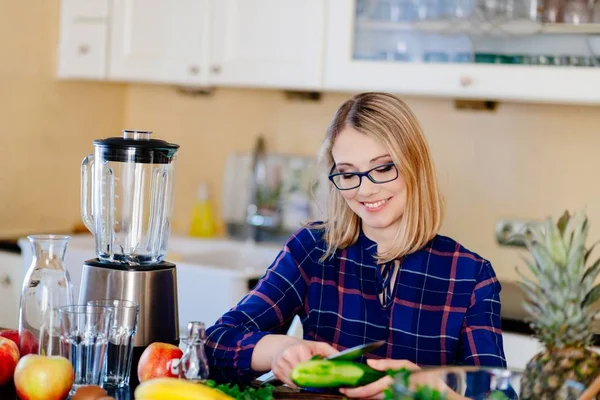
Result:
[559,33]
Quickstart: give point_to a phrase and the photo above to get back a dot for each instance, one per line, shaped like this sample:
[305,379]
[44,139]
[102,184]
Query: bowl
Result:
[449,383]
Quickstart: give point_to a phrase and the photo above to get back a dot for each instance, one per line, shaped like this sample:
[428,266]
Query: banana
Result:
[177,389]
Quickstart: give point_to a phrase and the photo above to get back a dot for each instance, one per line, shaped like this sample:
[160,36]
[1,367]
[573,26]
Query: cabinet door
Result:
[159,41]
[267,43]
[519,349]
[82,39]
[463,51]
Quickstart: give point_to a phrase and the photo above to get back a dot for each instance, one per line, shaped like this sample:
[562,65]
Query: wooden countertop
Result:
[8,392]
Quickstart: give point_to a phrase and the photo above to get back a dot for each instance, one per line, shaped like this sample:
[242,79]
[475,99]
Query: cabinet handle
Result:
[215,69]
[194,70]
[466,81]
[83,49]
[5,281]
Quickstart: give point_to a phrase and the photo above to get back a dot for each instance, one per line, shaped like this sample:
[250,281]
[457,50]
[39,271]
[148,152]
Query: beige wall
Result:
[46,126]
[522,161]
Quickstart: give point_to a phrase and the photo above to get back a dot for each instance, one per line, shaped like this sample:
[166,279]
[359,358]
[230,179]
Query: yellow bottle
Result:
[203,224]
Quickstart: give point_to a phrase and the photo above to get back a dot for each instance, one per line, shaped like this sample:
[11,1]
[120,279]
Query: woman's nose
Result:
[367,187]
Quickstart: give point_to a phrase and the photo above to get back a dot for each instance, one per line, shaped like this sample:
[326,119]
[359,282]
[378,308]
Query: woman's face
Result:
[380,206]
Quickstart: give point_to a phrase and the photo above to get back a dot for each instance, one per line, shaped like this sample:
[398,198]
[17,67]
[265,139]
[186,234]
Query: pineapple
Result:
[559,305]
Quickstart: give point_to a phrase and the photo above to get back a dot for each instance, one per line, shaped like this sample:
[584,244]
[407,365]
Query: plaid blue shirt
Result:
[446,306]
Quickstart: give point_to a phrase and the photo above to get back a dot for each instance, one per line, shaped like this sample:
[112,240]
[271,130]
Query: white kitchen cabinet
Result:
[159,41]
[519,349]
[267,43]
[82,39]
[11,279]
[382,45]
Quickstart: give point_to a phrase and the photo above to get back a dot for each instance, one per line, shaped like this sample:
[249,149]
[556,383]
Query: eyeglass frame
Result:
[360,175]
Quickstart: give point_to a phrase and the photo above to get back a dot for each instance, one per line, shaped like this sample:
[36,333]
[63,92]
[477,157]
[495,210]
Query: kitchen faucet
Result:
[261,213]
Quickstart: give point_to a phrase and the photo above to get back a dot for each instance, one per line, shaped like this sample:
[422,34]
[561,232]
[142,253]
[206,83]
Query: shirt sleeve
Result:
[268,308]
[481,335]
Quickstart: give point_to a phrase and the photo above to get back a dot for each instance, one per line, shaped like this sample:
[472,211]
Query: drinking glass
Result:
[458,383]
[84,331]
[120,340]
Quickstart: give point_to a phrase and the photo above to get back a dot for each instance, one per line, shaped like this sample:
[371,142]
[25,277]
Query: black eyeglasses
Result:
[351,180]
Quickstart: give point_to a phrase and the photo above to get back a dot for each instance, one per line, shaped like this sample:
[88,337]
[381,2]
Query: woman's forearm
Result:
[267,348]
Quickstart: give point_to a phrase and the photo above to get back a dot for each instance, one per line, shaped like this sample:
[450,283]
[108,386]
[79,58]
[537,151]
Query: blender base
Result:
[152,287]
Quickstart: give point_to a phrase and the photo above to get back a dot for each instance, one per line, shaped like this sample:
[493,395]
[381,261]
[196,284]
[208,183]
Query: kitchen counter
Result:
[513,321]
[8,393]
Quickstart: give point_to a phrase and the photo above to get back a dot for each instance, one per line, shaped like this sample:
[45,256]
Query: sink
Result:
[223,254]
[213,275]
[233,258]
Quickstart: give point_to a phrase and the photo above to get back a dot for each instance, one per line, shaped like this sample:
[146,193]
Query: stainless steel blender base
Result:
[154,288]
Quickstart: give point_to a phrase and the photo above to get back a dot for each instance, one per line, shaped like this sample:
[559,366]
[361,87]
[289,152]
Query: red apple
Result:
[9,357]
[11,334]
[156,361]
[28,343]
[43,377]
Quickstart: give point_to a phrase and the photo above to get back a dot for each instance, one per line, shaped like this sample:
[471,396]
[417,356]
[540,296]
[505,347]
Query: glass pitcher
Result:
[47,287]
[127,197]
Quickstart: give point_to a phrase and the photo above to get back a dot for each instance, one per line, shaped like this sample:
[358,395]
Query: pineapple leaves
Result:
[543,258]
[592,296]
[534,311]
[589,251]
[559,296]
[534,268]
[533,291]
[562,222]
[554,243]
[590,275]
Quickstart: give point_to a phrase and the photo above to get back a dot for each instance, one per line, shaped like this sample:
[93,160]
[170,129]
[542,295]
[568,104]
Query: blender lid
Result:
[136,146]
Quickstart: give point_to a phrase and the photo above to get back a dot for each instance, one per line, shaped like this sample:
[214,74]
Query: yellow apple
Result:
[43,377]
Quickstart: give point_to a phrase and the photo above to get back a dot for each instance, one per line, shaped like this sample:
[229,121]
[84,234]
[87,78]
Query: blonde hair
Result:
[388,120]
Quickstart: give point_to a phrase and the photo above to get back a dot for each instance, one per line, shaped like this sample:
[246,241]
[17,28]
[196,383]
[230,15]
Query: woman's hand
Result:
[375,390]
[302,350]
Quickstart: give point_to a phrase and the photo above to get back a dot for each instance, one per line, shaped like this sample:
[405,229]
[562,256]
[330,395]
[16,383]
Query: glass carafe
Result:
[46,287]
[127,197]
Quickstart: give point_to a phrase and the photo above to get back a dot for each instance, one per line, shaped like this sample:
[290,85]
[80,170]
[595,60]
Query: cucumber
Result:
[330,373]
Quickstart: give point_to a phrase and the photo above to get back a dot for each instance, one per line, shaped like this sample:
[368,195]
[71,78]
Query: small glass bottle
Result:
[203,224]
[194,364]
[46,287]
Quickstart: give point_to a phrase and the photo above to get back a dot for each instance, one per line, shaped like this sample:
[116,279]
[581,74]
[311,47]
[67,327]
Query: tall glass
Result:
[120,341]
[46,287]
[84,335]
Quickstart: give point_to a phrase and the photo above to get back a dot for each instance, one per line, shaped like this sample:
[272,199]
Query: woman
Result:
[375,269]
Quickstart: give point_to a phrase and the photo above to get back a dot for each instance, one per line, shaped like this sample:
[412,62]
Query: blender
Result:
[126,203]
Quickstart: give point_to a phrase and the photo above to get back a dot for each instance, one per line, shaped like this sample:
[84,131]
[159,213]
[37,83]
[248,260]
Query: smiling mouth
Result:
[375,205]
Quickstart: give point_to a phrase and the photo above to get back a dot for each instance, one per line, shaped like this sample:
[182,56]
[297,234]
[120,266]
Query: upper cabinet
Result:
[492,49]
[267,43]
[525,50]
[159,41]
[82,44]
